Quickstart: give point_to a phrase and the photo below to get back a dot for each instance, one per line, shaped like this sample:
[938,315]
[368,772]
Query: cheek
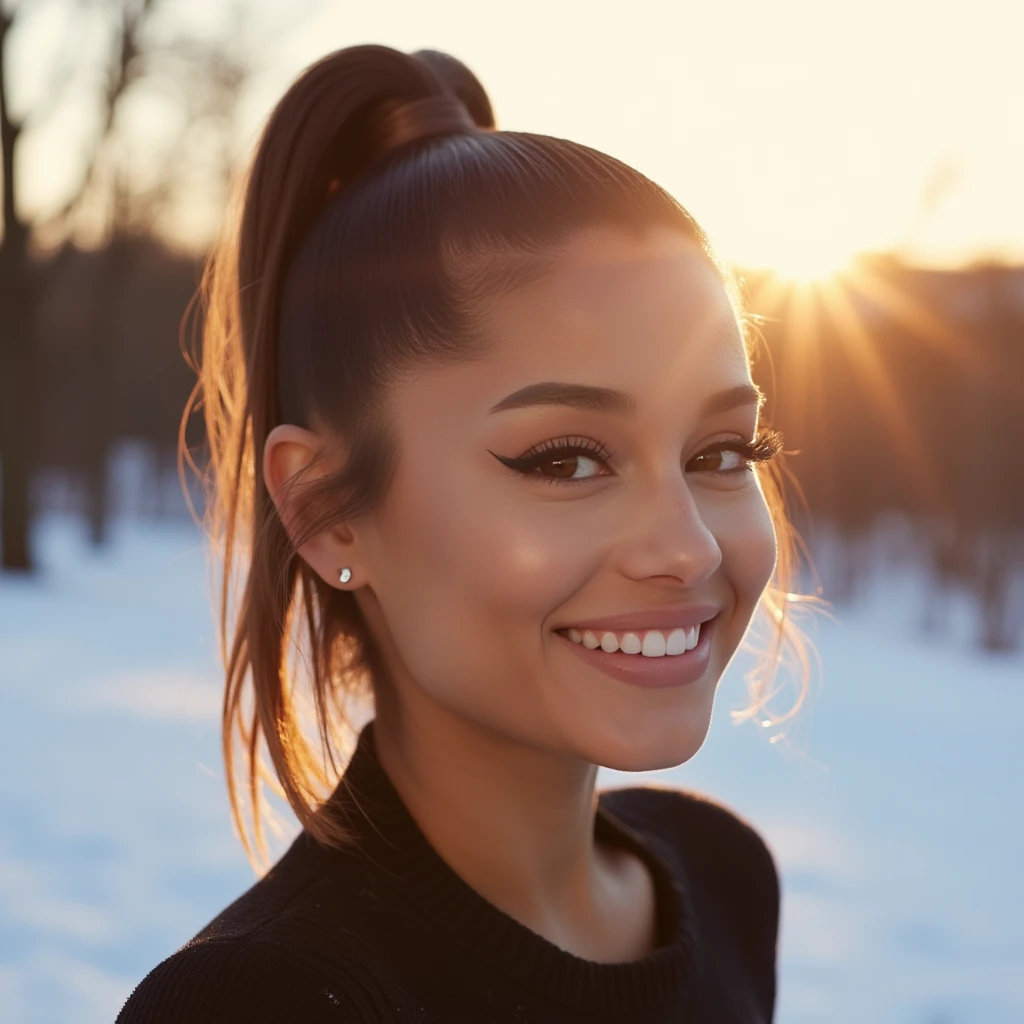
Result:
[749,549]
[467,577]
[486,558]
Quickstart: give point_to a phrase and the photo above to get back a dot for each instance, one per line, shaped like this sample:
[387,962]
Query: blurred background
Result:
[861,166]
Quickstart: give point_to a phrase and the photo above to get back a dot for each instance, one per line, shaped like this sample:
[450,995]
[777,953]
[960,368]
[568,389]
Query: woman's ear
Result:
[288,450]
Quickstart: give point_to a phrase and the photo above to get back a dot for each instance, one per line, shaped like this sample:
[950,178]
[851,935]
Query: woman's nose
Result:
[669,536]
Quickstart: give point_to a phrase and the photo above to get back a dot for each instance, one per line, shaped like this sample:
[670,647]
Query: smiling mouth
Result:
[647,643]
[653,667]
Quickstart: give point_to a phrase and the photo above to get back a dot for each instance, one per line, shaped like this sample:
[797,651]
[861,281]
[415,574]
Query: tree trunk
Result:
[16,390]
[101,430]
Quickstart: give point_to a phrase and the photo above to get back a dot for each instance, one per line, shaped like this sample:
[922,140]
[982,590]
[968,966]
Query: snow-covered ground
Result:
[898,830]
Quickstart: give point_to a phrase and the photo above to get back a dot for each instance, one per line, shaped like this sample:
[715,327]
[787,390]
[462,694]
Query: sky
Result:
[798,134]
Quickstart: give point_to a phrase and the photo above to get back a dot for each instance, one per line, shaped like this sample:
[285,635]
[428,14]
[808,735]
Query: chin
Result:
[666,750]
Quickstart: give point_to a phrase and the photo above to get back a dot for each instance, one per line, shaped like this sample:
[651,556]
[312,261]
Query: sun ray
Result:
[944,336]
[910,313]
[864,355]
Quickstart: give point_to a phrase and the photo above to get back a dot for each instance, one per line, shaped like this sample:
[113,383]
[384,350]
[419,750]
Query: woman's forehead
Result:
[615,258]
[613,297]
[649,317]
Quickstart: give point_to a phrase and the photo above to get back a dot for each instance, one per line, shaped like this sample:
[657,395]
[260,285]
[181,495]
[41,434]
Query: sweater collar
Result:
[388,834]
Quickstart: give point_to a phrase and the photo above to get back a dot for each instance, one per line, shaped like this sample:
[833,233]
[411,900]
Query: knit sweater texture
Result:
[387,932]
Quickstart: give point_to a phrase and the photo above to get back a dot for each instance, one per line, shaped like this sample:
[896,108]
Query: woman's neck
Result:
[517,824]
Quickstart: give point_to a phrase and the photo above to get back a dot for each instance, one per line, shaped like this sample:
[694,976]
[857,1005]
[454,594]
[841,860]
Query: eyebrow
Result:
[619,403]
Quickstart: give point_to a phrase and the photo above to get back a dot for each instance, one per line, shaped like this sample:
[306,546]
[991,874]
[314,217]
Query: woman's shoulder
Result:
[281,951]
[238,979]
[723,863]
[706,834]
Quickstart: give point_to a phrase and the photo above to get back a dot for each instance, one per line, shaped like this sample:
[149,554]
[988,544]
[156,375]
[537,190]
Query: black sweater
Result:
[389,932]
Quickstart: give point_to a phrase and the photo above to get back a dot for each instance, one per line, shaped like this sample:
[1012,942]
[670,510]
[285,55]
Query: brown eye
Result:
[566,459]
[765,446]
[712,462]
[567,466]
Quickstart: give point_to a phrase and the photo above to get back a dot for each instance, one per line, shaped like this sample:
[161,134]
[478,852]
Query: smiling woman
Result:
[485,436]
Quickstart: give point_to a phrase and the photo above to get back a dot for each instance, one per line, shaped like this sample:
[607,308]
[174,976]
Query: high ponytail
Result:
[380,206]
[330,127]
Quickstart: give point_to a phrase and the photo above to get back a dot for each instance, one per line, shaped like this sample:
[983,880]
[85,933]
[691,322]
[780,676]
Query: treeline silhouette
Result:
[897,389]
[109,365]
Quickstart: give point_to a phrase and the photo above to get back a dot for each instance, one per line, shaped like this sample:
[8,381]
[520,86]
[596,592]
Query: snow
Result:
[895,820]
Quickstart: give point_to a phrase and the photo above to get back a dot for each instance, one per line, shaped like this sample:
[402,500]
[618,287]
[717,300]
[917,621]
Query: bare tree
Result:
[19,289]
[15,302]
[206,77]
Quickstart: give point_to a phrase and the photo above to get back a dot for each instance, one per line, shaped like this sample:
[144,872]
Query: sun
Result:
[810,265]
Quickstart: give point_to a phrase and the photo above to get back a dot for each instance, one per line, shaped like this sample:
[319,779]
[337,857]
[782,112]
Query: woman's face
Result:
[473,565]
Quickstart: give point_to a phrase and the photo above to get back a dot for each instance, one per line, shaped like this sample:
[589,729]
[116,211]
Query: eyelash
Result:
[767,444]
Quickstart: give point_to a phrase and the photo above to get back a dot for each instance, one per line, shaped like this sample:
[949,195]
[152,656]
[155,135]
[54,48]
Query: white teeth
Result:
[655,644]
[630,644]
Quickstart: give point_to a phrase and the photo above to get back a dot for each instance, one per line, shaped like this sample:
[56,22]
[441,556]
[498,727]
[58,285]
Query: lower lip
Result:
[635,669]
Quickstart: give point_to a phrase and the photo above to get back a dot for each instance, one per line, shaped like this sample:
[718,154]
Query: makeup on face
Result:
[594,473]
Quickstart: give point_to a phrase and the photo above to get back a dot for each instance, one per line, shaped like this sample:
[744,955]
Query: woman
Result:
[480,411]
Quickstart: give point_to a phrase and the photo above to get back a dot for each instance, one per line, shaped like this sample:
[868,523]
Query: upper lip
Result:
[681,616]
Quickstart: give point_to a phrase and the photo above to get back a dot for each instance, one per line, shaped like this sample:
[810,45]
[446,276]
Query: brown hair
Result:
[360,249]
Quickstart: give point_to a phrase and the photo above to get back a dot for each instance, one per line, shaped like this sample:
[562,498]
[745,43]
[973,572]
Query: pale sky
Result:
[797,133]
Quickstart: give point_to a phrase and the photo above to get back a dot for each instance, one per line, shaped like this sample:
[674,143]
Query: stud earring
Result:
[345,574]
